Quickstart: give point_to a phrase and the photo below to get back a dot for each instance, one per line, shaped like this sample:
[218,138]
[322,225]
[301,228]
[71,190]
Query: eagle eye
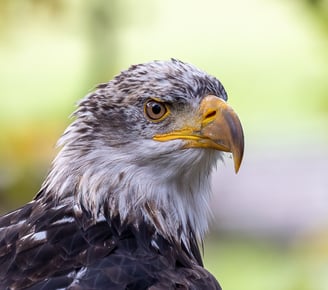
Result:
[155,111]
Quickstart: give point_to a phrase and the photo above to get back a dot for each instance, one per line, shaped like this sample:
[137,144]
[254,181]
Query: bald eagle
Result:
[126,202]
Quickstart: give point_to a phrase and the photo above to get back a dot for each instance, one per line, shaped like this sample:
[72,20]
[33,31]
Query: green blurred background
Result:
[270,222]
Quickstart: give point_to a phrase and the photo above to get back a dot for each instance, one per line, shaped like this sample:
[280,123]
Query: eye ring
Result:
[155,111]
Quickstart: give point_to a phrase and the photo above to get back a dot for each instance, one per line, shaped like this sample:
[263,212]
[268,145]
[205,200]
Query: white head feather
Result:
[108,157]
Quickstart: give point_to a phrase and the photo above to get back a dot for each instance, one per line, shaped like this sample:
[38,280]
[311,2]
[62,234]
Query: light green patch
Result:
[257,265]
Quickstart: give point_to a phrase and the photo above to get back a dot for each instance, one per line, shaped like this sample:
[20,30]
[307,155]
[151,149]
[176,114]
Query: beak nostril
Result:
[210,114]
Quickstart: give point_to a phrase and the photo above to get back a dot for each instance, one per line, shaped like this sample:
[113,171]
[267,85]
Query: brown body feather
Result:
[44,246]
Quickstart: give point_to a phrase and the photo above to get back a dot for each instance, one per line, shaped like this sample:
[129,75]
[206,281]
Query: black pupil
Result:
[156,109]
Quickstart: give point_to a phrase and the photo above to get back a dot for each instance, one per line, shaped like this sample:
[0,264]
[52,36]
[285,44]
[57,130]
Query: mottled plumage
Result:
[125,203]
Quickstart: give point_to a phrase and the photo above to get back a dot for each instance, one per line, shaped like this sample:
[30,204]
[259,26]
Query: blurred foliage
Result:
[319,11]
[255,265]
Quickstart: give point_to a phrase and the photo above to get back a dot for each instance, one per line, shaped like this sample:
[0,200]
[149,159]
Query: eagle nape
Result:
[125,203]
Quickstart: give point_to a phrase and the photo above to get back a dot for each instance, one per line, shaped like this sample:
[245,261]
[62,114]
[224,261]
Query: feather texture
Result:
[45,246]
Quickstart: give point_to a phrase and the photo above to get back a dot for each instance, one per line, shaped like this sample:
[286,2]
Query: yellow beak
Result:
[217,127]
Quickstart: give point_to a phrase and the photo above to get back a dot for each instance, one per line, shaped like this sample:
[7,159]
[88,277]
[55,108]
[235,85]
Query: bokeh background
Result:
[270,222]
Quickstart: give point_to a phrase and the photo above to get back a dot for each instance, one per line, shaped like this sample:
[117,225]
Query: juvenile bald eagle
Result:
[125,204]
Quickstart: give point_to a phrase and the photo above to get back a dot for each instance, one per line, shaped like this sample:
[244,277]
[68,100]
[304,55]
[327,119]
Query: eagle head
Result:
[143,145]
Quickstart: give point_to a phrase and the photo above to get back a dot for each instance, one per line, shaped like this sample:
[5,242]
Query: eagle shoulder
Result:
[49,246]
